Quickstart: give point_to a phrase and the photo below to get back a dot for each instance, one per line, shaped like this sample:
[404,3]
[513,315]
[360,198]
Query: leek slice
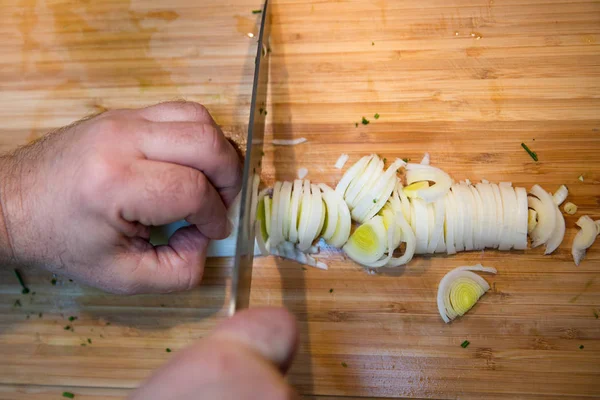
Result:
[368,242]
[294,210]
[584,238]
[420,172]
[546,216]
[522,220]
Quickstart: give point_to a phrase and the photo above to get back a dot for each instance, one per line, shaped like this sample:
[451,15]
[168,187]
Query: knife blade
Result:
[239,296]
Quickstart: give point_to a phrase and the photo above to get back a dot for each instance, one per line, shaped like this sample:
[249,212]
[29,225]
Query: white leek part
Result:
[353,172]
[406,209]
[478,242]
[546,216]
[288,142]
[362,185]
[598,225]
[570,208]
[420,225]
[323,215]
[254,200]
[341,161]
[268,202]
[412,190]
[522,220]
[460,289]
[295,210]
[531,220]
[302,172]
[342,231]
[389,222]
[560,195]
[418,172]
[367,208]
[426,159]
[509,206]
[499,215]
[305,213]
[288,251]
[283,219]
[488,215]
[260,241]
[430,224]
[467,203]
[438,226]
[331,218]
[276,235]
[368,242]
[584,238]
[315,219]
[459,227]
[558,234]
[485,181]
[450,223]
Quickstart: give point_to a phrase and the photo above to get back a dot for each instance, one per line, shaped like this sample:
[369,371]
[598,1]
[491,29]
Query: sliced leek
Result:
[368,243]
[584,238]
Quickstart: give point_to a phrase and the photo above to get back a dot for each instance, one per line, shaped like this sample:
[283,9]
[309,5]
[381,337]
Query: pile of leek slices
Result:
[424,213]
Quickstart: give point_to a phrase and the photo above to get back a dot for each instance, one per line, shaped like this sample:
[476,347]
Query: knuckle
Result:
[194,111]
[98,176]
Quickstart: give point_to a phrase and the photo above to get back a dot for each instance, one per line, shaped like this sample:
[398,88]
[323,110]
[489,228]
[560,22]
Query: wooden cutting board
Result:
[466,80]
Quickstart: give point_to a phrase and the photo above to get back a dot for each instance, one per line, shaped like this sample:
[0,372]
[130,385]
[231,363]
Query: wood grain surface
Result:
[465,80]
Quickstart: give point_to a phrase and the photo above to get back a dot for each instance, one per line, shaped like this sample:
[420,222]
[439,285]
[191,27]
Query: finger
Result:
[173,111]
[160,193]
[271,332]
[230,364]
[177,266]
[197,145]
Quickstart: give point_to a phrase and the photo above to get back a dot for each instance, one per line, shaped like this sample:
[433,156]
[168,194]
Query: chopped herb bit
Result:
[330,290]
[304,269]
[262,153]
[68,395]
[256,11]
[28,316]
[83,344]
[581,347]
[344,365]
[374,200]
[168,350]
[89,341]
[356,124]
[17,303]
[265,112]
[531,153]
[53,281]
[70,280]
[372,43]
[21,282]
[102,336]
[40,315]
[580,178]
[68,327]
[33,293]
[72,318]
[384,160]
[376,116]
[261,110]
[108,323]
[162,305]
[365,121]
[595,314]
[465,344]
[406,160]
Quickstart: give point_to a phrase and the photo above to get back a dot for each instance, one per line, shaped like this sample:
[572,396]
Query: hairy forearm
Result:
[6,253]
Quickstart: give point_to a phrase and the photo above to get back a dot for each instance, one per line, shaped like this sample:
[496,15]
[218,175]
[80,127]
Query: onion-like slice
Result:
[353,172]
[365,180]
[426,159]
[584,238]
[438,226]
[276,234]
[260,241]
[294,210]
[341,161]
[460,289]
[268,201]
[305,214]
[420,225]
[499,215]
[368,242]
[315,223]
[288,251]
[546,216]
[509,206]
[367,208]
[450,223]
[406,208]
[488,214]
[302,172]
[465,199]
[412,191]
[342,232]
[419,172]
[531,220]
[389,221]
[560,195]
[478,242]
[520,242]
[558,234]
[331,219]
[284,209]
[459,227]
[288,142]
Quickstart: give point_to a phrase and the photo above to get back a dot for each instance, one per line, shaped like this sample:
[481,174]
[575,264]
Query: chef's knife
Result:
[239,296]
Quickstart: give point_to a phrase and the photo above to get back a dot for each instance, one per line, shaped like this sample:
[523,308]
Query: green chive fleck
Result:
[595,314]
[344,365]
[67,327]
[304,269]
[168,350]
[372,43]
[68,395]
[581,347]
[40,315]
[256,11]
[406,160]
[89,341]
[376,116]
[72,318]
[82,344]
[17,303]
[365,121]
[53,281]
[261,110]
[265,112]
[330,290]
[465,344]
[356,124]
[531,153]
[108,323]
[21,282]
[374,200]
[384,160]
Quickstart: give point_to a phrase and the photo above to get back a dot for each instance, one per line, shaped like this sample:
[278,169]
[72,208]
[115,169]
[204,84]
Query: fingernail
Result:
[229,227]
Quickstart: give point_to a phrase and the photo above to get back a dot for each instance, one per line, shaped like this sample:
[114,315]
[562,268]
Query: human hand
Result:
[243,359]
[80,201]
